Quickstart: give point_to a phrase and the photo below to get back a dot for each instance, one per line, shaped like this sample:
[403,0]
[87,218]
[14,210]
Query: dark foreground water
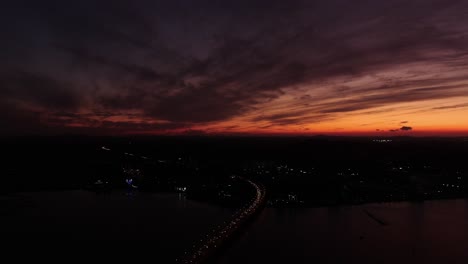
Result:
[168,223]
[429,232]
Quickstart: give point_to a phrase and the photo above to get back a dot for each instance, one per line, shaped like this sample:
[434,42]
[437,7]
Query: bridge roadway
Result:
[207,247]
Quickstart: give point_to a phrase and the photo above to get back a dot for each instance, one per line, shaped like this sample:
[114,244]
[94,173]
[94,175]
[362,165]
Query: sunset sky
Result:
[335,67]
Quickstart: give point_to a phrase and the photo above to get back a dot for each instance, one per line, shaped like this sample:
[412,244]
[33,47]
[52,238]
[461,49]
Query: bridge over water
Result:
[214,241]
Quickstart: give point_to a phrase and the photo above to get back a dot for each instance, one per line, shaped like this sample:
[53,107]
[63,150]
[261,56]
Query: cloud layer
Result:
[166,66]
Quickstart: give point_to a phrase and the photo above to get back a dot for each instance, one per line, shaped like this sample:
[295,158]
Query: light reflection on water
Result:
[429,232]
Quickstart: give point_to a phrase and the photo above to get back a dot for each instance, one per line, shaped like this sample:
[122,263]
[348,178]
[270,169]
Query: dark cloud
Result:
[185,63]
[37,90]
[14,120]
[194,132]
[400,93]
[403,128]
[451,106]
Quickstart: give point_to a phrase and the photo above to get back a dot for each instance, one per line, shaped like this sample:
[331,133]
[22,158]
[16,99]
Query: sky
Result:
[335,67]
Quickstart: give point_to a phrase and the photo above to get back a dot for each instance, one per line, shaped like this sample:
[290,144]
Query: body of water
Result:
[168,223]
[428,232]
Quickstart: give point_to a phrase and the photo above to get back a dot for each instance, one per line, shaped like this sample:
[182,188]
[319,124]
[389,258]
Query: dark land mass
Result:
[297,171]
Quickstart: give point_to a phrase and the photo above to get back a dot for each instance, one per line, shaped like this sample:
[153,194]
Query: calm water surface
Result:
[429,232]
[168,223]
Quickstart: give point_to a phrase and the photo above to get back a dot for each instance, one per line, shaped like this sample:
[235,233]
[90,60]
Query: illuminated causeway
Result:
[206,247]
